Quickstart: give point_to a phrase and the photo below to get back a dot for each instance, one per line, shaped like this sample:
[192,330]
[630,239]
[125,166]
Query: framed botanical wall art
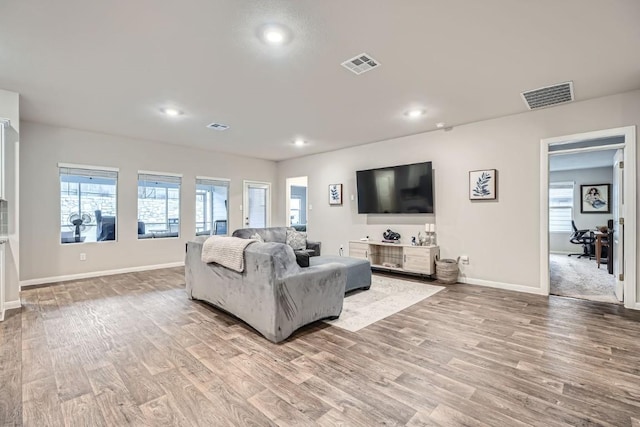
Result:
[595,198]
[482,184]
[335,194]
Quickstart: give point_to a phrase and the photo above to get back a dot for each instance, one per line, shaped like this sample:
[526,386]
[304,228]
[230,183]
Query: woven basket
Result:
[447,270]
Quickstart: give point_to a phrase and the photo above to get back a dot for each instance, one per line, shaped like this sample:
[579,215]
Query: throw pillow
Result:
[296,239]
[302,258]
[257,237]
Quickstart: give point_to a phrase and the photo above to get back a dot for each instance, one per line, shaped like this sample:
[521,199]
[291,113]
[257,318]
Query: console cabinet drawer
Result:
[418,260]
[359,250]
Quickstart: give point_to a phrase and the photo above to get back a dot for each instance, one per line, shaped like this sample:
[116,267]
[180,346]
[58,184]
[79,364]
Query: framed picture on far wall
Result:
[595,198]
[335,194]
[482,184]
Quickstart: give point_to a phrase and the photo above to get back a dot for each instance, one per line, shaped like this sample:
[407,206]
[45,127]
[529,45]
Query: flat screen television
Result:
[402,189]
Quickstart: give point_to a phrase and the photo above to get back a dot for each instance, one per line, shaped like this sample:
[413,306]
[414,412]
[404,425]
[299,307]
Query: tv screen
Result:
[396,189]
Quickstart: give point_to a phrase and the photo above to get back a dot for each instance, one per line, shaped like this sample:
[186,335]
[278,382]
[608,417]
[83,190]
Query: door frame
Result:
[245,200]
[629,213]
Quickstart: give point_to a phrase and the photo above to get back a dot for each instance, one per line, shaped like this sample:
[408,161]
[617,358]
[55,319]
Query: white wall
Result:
[559,242]
[43,147]
[10,109]
[501,237]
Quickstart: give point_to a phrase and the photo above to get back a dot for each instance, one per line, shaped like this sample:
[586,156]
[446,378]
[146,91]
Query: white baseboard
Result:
[561,252]
[12,304]
[500,285]
[54,279]
[8,306]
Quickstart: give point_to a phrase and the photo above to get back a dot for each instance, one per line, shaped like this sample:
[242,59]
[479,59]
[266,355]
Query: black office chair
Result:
[584,238]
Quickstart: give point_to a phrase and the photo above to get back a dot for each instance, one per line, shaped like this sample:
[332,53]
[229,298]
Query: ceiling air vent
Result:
[217,126]
[361,63]
[548,96]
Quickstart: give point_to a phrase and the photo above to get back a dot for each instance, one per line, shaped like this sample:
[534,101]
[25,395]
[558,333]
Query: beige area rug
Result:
[387,296]
[581,278]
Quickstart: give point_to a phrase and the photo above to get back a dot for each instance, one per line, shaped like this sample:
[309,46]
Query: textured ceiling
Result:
[110,66]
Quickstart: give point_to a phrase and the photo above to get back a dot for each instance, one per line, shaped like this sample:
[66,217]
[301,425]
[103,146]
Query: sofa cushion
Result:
[257,237]
[296,239]
[270,234]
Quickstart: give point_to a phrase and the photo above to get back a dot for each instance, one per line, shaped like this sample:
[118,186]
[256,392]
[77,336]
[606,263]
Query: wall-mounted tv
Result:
[396,189]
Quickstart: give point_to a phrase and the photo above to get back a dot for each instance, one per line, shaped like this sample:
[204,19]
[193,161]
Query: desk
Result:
[602,239]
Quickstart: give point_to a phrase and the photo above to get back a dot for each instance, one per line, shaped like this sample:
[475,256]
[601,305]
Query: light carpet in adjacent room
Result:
[387,296]
[581,278]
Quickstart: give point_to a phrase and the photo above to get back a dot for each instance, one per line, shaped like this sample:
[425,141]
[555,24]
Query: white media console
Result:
[396,257]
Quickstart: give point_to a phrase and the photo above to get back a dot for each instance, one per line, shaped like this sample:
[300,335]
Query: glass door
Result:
[256,207]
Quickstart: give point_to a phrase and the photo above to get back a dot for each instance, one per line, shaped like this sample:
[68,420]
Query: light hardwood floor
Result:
[133,350]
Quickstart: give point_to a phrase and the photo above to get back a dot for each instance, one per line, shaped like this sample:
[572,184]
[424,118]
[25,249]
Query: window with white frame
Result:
[88,199]
[158,205]
[212,210]
[560,207]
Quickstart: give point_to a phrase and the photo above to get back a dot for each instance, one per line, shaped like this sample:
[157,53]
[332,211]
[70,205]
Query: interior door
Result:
[617,206]
[256,207]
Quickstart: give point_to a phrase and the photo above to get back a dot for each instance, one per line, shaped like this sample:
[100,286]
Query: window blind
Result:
[95,176]
[560,206]
[164,181]
[212,182]
[257,207]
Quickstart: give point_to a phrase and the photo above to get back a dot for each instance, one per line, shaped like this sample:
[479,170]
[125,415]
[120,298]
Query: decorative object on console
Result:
[482,184]
[335,194]
[391,236]
[422,240]
[430,240]
[595,198]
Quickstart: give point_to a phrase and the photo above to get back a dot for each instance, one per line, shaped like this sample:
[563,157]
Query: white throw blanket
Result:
[226,251]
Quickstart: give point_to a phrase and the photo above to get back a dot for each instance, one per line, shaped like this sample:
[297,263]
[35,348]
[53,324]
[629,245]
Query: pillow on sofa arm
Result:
[296,239]
[257,237]
[314,247]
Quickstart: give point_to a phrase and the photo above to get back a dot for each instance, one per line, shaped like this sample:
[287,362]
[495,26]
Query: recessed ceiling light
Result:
[415,113]
[440,125]
[299,142]
[274,35]
[171,112]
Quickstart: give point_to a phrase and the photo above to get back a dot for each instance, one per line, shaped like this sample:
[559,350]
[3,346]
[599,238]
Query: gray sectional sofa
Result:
[273,294]
[275,234]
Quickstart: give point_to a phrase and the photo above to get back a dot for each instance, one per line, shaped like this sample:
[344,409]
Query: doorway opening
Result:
[296,203]
[588,216]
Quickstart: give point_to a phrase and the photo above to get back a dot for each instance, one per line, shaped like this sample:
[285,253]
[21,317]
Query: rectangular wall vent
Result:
[217,126]
[548,96]
[361,63]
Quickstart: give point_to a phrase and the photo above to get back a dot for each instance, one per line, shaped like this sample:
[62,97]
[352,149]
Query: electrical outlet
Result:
[83,256]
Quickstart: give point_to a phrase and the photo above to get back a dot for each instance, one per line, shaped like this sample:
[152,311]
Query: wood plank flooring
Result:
[132,349]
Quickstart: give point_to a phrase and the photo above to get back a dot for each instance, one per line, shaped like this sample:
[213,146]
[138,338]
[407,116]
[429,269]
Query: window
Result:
[560,207]
[158,205]
[88,199]
[212,210]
